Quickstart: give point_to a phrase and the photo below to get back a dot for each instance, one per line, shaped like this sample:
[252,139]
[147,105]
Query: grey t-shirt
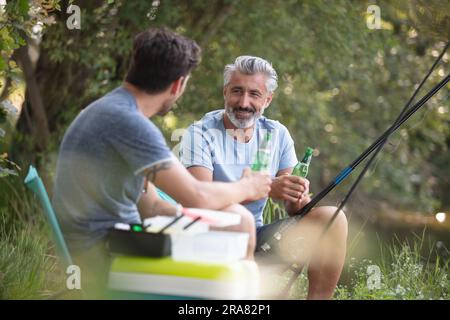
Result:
[99,176]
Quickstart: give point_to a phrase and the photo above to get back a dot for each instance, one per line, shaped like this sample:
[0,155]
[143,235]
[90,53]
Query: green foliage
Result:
[7,167]
[341,84]
[28,267]
[273,211]
[17,20]
[405,274]
[23,260]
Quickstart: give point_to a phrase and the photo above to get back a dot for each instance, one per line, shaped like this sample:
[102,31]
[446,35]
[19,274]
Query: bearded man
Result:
[225,141]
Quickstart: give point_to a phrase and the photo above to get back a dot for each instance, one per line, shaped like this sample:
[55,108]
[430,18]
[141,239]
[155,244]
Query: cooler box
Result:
[166,278]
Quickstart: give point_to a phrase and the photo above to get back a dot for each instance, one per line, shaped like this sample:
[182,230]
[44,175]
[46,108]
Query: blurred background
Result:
[346,69]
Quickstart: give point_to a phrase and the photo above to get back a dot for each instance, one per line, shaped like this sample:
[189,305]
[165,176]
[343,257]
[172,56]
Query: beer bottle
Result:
[301,169]
[262,158]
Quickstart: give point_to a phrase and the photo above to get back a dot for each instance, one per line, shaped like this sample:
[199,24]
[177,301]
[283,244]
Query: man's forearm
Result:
[158,208]
[236,192]
[150,204]
[219,195]
[175,180]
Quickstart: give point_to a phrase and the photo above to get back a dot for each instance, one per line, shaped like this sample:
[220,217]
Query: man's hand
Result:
[256,184]
[289,188]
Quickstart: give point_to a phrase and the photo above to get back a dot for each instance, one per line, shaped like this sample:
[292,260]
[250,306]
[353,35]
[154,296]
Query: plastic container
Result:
[152,278]
[212,246]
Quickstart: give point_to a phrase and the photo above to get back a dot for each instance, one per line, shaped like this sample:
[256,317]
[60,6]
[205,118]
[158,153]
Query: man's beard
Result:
[166,107]
[243,122]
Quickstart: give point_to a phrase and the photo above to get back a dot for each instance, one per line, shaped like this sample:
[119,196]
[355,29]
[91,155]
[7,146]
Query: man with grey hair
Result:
[248,65]
[224,142]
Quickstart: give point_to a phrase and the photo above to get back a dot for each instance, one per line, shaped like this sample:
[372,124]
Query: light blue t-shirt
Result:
[207,144]
[101,161]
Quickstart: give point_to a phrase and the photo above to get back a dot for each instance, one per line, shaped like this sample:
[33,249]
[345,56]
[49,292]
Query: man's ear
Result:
[269,99]
[176,86]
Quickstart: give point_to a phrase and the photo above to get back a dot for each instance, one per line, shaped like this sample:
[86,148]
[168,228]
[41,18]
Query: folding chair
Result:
[164,196]
[34,183]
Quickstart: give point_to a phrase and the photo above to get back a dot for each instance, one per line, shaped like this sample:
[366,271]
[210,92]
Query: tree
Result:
[19,21]
[341,83]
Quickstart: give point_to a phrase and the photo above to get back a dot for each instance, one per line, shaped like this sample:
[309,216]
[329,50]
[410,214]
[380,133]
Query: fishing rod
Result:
[266,247]
[298,270]
[344,173]
[389,132]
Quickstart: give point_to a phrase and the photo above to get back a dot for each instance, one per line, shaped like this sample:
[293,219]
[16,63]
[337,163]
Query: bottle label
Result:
[261,162]
[301,170]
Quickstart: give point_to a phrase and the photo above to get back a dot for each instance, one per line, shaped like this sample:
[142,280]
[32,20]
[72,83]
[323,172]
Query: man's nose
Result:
[244,101]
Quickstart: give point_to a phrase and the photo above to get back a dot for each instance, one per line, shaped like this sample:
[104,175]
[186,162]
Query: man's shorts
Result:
[264,234]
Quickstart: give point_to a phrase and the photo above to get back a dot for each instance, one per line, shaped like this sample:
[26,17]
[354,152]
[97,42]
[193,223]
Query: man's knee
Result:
[246,225]
[247,221]
[323,216]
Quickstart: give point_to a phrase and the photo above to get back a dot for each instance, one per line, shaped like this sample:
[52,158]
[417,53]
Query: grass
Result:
[30,270]
[405,273]
[402,273]
[403,270]
[28,266]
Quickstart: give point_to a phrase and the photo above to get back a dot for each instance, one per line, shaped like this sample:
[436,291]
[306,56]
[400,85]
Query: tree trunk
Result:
[33,122]
[33,99]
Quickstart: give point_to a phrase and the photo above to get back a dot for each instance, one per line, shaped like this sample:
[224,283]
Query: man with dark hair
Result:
[159,58]
[112,149]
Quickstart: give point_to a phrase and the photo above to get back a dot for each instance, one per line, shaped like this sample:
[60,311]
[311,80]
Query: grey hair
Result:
[252,65]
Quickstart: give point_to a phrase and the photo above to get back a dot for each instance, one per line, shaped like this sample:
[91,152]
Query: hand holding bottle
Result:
[257,184]
[290,188]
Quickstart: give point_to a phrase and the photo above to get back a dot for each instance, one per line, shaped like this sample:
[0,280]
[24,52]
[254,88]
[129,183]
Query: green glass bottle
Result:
[301,169]
[262,158]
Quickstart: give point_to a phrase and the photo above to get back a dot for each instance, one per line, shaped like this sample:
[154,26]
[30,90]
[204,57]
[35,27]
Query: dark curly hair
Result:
[160,57]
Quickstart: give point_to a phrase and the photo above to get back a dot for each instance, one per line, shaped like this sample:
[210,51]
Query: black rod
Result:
[397,121]
[346,172]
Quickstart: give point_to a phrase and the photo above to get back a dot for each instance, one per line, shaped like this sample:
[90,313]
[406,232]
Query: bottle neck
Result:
[307,158]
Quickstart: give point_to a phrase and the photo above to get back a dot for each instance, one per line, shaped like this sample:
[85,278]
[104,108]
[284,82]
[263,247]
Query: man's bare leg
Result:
[151,205]
[326,258]
[247,225]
